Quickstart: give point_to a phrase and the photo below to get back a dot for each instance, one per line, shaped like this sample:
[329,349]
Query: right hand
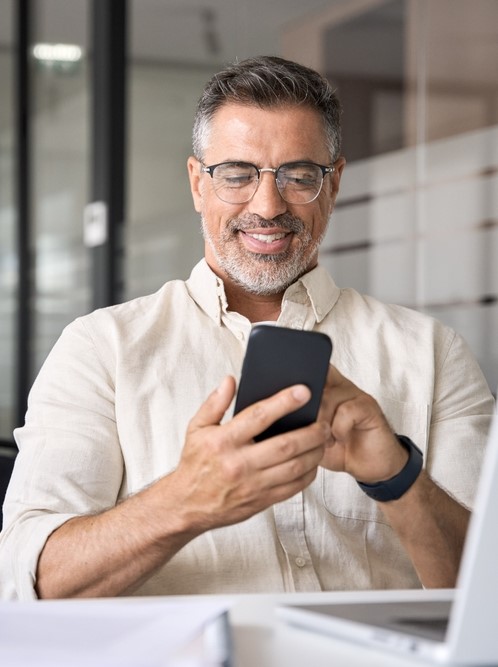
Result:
[224,477]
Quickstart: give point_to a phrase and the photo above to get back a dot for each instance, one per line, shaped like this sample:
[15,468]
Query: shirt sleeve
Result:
[461,415]
[69,462]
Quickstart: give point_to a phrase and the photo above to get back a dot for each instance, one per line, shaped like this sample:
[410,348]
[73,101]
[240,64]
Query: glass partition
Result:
[8,242]
[60,166]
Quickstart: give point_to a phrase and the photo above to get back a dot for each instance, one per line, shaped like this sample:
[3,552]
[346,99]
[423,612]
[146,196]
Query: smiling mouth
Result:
[267,238]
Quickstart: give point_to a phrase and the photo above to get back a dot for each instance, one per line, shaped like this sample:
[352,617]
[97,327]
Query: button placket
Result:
[289,522]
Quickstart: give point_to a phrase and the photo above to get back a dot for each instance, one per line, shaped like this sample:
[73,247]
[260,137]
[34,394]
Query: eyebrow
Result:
[311,160]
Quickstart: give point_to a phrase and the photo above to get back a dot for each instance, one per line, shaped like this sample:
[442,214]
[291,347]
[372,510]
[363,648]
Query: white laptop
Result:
[460,628]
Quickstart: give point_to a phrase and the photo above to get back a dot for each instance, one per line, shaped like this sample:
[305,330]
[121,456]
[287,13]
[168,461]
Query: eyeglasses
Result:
[297,182]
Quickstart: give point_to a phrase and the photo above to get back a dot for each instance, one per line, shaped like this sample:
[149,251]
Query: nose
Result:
[267,201]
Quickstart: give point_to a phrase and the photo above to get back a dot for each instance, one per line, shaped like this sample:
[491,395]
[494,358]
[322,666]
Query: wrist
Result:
[396,486]
[170,517]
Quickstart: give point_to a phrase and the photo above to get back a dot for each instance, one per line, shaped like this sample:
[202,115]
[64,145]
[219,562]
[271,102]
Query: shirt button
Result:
[240,335]
[300,562]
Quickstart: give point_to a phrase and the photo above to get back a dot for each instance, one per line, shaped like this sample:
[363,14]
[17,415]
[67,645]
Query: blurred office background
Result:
[108,118]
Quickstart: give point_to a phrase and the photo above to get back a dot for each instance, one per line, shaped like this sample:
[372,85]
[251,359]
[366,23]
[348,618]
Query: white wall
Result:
[419,227]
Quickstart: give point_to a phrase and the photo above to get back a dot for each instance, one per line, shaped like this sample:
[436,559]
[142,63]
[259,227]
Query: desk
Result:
[261,640]
[178,630]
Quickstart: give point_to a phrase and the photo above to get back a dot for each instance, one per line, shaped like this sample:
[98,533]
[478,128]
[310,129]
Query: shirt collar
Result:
[315,288]
[207,290]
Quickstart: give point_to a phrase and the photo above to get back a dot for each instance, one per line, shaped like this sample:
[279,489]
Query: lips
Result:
[267,238]
[265,241]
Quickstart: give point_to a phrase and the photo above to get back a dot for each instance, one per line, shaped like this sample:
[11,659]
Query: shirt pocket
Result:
[341,495]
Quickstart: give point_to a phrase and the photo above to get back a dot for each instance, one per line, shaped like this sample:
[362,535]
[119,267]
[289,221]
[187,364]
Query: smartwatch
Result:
[394,488]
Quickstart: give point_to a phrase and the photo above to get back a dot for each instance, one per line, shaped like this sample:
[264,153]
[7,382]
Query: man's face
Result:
[265,244]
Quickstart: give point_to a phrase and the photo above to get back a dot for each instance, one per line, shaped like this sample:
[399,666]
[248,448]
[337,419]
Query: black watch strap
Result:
[394,488]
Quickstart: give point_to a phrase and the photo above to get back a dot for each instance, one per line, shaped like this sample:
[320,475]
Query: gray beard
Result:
[263,274]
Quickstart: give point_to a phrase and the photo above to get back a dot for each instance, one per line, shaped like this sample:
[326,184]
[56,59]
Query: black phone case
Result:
[276,358]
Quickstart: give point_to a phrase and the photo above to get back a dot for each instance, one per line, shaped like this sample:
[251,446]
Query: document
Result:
[146,632]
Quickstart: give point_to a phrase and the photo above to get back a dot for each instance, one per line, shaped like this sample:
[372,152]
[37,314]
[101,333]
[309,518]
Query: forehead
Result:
[282,133]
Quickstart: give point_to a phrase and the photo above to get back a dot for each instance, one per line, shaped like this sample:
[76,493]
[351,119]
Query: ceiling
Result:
[181,31]
[210,32]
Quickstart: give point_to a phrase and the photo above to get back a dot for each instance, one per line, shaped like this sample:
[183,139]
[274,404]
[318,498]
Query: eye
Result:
[235,175]
[301,175]
[237,179]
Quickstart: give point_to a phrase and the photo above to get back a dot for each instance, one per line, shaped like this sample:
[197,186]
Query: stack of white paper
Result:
[112,633]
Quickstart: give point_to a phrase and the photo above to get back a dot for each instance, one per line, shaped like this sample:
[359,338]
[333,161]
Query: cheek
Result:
[321,219]
[206,206]
[215,216]
[319,230]
[326,209]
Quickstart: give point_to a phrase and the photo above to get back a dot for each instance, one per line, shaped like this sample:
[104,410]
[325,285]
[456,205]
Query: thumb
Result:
[214,407]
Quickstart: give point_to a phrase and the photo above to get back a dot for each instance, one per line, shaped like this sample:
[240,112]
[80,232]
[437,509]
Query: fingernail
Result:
[301,393]
[221,386]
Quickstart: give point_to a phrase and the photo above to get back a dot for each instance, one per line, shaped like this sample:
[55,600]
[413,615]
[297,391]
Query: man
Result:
[133,477]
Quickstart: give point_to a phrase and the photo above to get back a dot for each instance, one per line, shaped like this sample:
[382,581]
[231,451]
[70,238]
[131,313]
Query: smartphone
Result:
[276,358]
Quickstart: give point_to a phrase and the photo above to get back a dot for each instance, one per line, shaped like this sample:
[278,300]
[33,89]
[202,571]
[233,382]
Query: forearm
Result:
[432,527]
[111,553]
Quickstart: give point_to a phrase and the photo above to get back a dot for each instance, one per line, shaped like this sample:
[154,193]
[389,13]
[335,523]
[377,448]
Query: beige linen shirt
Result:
[109,410]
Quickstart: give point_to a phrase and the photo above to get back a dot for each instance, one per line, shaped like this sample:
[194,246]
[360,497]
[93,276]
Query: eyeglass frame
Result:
[330,169]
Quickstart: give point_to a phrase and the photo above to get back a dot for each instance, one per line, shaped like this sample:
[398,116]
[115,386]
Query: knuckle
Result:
[368,404]
[216,443]
[295,468]
[258,414]
[311,475]
[233,469]
[286,446]
[342,410]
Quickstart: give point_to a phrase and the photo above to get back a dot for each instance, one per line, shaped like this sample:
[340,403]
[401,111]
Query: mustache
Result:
[286,221]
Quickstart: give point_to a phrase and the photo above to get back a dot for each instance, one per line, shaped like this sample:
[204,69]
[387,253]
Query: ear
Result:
[194,174]
[339,165]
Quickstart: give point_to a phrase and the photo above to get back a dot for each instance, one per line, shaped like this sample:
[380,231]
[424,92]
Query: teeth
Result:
[267,238]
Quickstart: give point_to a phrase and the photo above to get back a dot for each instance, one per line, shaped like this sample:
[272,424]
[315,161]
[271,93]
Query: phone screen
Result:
[276,358]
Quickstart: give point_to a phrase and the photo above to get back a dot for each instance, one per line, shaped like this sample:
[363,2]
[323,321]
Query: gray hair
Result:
[268,82]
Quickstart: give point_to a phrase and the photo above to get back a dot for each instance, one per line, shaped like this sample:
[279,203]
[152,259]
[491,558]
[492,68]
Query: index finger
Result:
[338,389]
[257,417]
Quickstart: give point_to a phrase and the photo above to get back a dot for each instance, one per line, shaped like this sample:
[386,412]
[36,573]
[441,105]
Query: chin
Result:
[268,278]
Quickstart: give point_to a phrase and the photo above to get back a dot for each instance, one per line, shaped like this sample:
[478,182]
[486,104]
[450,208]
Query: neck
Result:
[256,307]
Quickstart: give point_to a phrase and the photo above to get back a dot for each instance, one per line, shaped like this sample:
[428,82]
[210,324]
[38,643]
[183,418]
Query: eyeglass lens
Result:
[298,183]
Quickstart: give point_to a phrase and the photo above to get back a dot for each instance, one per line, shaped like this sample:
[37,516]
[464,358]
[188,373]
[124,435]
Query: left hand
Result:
[362,443]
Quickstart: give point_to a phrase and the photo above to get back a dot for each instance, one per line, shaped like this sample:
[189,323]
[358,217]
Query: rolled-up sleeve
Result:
[69,462]
[461,413]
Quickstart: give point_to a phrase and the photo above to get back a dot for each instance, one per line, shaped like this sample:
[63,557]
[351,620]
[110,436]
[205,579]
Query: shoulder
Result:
[138,312]
[362,310]
[115,332]
[396,346]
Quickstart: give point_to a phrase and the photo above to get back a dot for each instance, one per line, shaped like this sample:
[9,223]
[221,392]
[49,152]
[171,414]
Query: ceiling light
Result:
[58,53]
